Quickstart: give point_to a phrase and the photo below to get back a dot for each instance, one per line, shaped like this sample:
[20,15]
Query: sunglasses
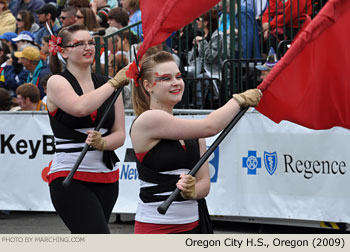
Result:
[79,17]
[63,18]
[19,19]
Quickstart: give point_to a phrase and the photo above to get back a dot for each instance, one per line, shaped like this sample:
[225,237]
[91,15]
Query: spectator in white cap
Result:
[271,61]
[30,58]
[46,14]
[25,37]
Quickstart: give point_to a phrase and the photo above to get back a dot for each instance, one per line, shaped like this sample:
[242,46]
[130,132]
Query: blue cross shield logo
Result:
[270,160]
[252,162]
[214,165]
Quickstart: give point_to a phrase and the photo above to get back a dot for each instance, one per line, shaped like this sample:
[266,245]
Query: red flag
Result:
[310,85]
[160,18]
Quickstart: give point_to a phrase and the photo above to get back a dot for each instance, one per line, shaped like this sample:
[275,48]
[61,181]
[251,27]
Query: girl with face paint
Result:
[167,147]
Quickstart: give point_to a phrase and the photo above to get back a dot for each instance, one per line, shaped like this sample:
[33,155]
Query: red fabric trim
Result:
[101,52]
[150,228]
[104,13]
[53,113]
[93,115]
[37,82]
[140,156]
[101,177]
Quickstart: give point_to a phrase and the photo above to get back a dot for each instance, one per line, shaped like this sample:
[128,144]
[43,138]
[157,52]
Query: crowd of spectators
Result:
[199,48]
[25,32]
[243,30]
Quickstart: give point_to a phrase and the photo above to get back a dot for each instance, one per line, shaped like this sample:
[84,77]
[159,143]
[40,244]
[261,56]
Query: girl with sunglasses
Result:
[87,17]
[25,22]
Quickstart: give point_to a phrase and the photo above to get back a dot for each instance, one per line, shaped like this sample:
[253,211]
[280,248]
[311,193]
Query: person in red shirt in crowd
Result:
[282,20]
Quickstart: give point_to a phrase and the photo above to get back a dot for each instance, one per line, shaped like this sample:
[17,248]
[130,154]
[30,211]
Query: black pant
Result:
[84,207]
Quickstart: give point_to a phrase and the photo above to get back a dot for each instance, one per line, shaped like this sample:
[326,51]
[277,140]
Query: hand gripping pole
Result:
[162,209]
[66,182]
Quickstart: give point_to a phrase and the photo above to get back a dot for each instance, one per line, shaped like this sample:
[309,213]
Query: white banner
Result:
[26,149]
[282,171]
[261,169]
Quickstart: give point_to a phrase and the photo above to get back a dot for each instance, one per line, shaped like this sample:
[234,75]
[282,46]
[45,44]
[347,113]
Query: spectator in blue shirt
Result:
[14,75]
[249,30]
[133,7]
[47,14]
[30,5]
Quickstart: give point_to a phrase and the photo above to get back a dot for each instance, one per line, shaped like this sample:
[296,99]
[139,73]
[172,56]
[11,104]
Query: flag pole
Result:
[66,182]
[162,209]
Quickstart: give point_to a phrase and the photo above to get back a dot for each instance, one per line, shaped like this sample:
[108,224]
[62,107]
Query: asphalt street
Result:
[17,222]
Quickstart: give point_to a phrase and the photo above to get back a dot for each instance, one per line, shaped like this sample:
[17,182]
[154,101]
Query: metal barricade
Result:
[241,49]
[106,51]
[239,75]
[200,93]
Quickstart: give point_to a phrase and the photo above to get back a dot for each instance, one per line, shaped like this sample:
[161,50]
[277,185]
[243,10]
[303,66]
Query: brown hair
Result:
[6,50]
[120,15]
[140,97]
[28,90]
[65,33]
[5,100]
[212,18]
[89,19]
[134,5]
[46,38]
[27,18]
[79,3]
[5,4]
[129,36]
[118,62]
[70,10]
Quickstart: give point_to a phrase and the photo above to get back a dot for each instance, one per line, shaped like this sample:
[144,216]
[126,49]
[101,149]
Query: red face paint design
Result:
[165,77]
[178,76]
